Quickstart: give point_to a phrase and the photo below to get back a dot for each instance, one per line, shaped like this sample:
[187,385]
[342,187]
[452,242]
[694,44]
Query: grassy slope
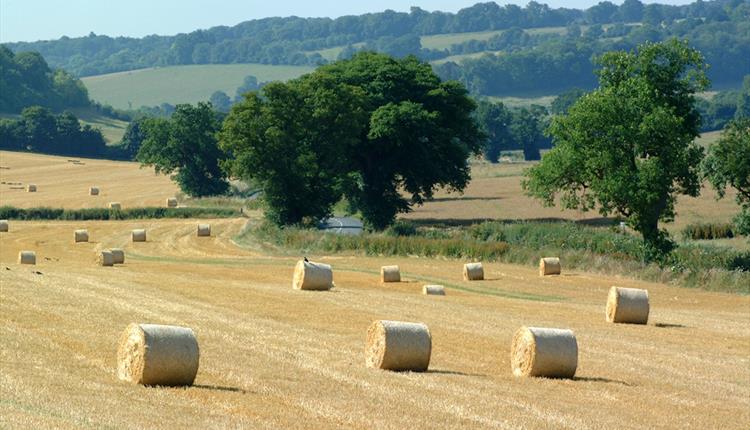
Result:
[180,84]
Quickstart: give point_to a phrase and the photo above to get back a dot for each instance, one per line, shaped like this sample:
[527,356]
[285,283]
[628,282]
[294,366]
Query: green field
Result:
[112,129]
[180,84]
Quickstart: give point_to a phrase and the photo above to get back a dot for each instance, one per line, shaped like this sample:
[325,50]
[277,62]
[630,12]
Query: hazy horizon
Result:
[138,18]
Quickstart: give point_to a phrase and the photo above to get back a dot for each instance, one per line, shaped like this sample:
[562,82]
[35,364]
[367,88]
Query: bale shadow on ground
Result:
[454,372]
[220,388]
[600,379]
[668,325]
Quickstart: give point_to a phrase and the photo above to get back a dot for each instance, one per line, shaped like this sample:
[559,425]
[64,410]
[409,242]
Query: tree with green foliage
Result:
[249,83]
[133,137]
[628,147]
[565,100]
[186,144]
[495,121]
[527,127]
[371,128]
[728,164]
[220,101]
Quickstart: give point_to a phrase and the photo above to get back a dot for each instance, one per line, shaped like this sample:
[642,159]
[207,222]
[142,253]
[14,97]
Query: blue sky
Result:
[30,20]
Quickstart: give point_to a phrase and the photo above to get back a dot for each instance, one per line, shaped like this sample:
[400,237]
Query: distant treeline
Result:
[40,130]
[292,40]
[26,80]
[557,64]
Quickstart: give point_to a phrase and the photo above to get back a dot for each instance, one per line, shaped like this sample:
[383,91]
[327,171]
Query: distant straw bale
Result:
[549,266]
[31,188]
[204,230]
[106,258]
[138,235]
[548,352]
[81,236]
[433,290]
[115,206]
[151,354]
[27,257]
[390,274]
[312,276]
[627,305]
[398,346]
[171,202]
[94,191]
[4,226]
[473,272]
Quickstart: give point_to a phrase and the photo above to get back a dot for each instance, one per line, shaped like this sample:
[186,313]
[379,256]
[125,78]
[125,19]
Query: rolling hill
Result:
[180,84]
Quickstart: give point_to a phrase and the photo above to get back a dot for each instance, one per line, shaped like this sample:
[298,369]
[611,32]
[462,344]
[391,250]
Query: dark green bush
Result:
[707,231]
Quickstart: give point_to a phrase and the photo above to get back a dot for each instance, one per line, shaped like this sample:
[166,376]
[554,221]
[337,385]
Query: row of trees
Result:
[512,129]
[555,64]
[365,129]
[40,130]
[292,40]
[27,80]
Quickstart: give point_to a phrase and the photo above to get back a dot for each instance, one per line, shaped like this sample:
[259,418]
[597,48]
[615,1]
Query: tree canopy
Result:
[185,145]
[383,132]
[26,80]
[728,165]
[628,146]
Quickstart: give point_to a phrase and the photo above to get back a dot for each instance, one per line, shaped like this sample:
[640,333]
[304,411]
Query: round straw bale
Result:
[390,274]
[106,258]
[434,290]
[31,188]
[27,257]
[549,266]
[139,235]
[118,255]
[548,352]
[152,354]
[171,202]
[396,345]
[115,206]
[312,276]
[627,305]
[473,272]
[3,225]
[204,230]
[94,191]
[81,236]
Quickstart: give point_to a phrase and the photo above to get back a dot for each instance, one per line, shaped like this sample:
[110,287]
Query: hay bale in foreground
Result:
[94,191]
[152,354]
[106,258]
[31,188]
[81,236]
[390,274]
[204,230]
[4,226]
[473,272]
[115,206]
[138,235]
[396,345]
[627,305]
[118,255]
[27,257]
[312,276]
[549,266]
[548,352]
[171,202]
[433,290]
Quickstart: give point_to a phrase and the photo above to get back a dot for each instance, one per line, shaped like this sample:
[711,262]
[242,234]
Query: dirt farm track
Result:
[274,357]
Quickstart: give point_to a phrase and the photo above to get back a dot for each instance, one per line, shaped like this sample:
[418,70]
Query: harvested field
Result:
[274,357]
[63,184]
[495,193]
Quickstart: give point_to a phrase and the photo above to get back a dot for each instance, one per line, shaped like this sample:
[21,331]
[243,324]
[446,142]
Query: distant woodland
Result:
[517,60]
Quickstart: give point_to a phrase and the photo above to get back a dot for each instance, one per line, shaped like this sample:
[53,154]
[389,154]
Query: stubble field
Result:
[273,357]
